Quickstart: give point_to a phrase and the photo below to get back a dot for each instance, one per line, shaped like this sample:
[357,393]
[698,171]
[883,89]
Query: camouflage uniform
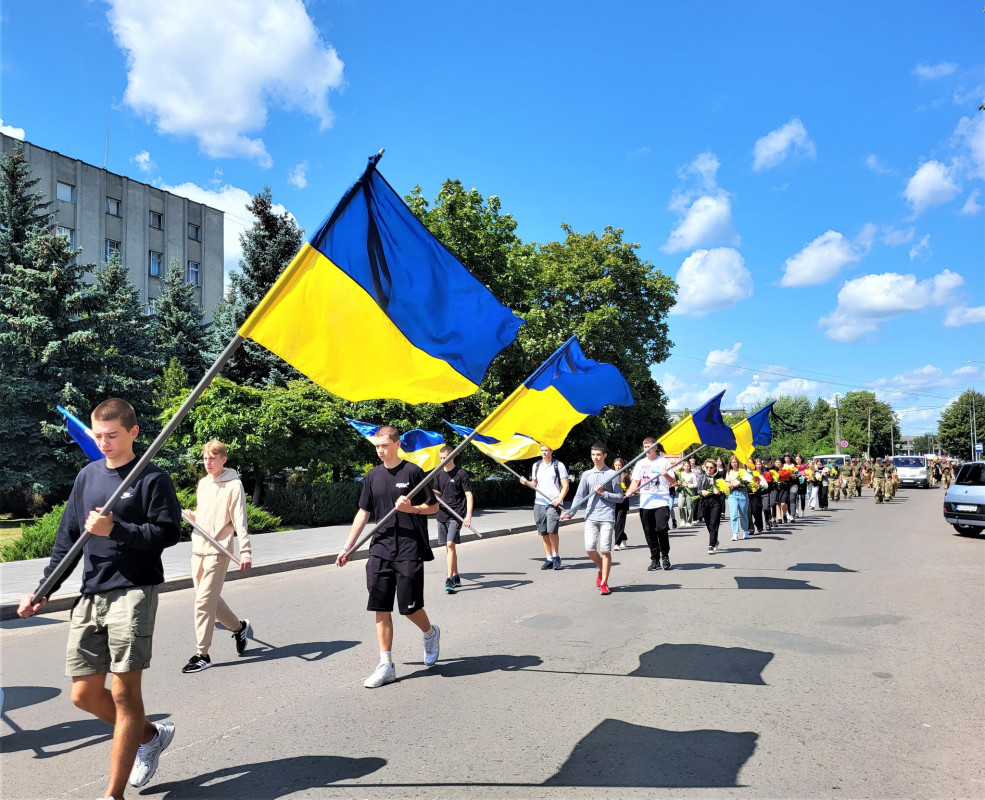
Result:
[851,470]
[946,475]
[879,479]
[834,482]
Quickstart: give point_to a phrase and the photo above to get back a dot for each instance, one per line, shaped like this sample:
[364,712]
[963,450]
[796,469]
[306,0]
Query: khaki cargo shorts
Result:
[111,632]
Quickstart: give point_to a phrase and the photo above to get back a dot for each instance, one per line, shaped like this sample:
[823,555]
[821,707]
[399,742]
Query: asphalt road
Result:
[843,656]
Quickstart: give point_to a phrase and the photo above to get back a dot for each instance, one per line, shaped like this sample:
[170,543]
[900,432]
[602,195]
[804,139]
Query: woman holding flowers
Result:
[737,480]
[801,484]
[711,503]
[687,484]
[813,474]
[771,493]
[756,498]
[619,537]
[782,489]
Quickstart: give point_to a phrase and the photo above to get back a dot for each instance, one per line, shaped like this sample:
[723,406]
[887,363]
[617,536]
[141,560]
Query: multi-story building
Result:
[101,212]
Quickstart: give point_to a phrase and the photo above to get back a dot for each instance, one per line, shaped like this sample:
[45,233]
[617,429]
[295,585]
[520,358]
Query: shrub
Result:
[259,520]
[35,541]
[501,493]
[314,504]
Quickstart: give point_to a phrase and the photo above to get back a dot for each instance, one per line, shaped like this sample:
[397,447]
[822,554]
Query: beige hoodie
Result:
[222,512]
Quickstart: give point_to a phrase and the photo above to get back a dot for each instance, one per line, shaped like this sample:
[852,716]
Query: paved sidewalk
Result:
[272,552]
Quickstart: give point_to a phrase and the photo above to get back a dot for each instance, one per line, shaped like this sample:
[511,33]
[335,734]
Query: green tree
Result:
[268,247]
[820,427]
[177,326]
[862,408]
[955,423]
[43,342]
[925,443]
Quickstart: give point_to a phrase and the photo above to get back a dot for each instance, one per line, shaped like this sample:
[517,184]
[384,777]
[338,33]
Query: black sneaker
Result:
[666,563]
[197,663]
[673,522]
[653,566]
[449,586]
[548,564]
[456,580]
[242,635]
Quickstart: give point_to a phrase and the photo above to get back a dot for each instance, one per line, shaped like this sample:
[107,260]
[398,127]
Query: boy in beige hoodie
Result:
[222,513]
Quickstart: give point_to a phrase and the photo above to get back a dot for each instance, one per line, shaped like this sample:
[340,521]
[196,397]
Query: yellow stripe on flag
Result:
[546,412]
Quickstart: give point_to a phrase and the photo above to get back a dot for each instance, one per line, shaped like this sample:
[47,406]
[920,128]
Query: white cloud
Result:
[932,184]
[297,176]
[213,70]
[930,72]
[233,201]
[964,315]
[12,132]
[686,394]
[143,162]
[965,372]
[776,146]
[717,359]
[710,280]
[921,249]
[894,237]
[795,386]
[971,205]
[878,166]
[823,258]
[705,208]
[865,302]
[753,394]
[969,140]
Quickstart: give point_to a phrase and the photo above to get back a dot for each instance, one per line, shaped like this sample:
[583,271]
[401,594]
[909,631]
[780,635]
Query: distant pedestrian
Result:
[453,485]
[549,477]
[622,507]
[711,503]
[652,478]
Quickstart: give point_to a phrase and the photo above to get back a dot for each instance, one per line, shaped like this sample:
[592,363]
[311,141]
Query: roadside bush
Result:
[259,520]
[314,504]
[35,541]
[501,494]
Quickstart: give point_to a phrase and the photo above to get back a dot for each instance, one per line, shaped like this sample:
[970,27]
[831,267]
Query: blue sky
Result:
[812,174]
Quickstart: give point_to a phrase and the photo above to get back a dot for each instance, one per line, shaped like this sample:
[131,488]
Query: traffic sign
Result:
[844,443]
[978,447]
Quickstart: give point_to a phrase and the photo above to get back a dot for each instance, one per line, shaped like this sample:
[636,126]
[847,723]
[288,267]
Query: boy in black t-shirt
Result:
[454,486]
[112,624]
[397,551]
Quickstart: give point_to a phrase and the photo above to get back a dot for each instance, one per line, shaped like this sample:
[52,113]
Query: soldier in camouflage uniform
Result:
[945,475]
[851,471]
[834,482]
[879,479]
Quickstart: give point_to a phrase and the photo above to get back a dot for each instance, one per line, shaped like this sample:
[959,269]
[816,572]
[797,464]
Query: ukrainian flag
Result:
[704,426]
[516,448]
[561,393]
[82,435]
[374,307]
[752,431]
[417,446]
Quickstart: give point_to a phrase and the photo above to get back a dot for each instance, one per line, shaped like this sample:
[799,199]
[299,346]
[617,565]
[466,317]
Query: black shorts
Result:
[403,579]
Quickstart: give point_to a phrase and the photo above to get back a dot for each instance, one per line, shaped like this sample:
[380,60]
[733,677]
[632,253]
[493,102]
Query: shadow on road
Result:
[704,662]
[678,565]
[267,780]
[819,568]
[306,651]
[772,583]
[644,587]
[476,665]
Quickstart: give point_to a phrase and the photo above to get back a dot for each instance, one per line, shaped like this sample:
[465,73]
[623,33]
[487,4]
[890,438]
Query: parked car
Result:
[964,503]
[839,459]
[912,470]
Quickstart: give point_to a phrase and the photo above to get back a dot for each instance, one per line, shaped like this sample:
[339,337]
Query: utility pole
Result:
[974,428]
[837,426]
[868,440]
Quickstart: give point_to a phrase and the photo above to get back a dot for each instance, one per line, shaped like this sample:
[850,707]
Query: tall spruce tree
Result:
[43,342]
[177,326]
[268,247]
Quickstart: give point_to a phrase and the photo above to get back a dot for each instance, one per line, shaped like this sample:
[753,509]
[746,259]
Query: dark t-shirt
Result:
[453,485]
[146,519]
[404,537]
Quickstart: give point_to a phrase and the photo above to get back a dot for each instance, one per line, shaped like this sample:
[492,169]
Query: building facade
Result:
[102,212]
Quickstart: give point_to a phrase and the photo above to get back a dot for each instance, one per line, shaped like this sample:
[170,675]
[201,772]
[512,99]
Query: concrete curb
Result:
[63,602]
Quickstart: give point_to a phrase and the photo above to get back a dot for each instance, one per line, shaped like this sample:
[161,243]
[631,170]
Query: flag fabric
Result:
[417,446]
[752,431]
[374,307]
[516,448]
[704,426]
[563,391]
[82,435]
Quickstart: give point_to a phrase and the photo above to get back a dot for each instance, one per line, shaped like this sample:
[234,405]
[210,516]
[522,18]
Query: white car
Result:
[964,503]
[912,470]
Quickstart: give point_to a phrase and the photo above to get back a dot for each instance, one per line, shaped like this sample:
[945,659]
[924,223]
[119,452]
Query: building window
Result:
[156,261]
[156,219]
[68,233]
[194,273]
[194,232]
[112,246]
[113,206]
[65,191]
[149,309]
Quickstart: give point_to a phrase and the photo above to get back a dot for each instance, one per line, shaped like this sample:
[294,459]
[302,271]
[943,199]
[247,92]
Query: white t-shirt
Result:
[547,481]
[656,494]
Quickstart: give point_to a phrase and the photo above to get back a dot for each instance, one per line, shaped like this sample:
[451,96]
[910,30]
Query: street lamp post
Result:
[837,426]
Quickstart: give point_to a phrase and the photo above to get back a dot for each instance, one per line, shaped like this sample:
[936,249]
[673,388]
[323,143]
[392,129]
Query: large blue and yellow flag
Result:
[82,435]
[417,446]
[752,431]
[703,426]
[374,307]
[516,448]
[561,393]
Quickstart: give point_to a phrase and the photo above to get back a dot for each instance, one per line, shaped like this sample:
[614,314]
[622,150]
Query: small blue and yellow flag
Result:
[516,448]
[374,307]
[563,391]
[752,431]
[82,435]
[704,426]
[417,446]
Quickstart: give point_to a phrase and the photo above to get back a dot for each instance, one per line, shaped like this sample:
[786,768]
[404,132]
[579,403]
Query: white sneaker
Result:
[735,538]
[384,673]
[145,765]
[431,647]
